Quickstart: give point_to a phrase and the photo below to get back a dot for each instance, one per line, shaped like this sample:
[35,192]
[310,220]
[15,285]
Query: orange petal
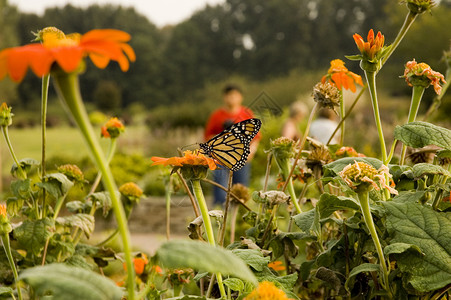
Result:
[99,61]
[106,34]
[17,63]
[68,58]
[128,50]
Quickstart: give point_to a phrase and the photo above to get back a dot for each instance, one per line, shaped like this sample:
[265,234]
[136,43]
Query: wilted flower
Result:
[6,116]
[241,191]
[271,197]
[361,175]
[420,6]
[339,75]
[267,291]
[326,95]
[101,45]
[72,172]
[421,74]
[112,128]
[131,190]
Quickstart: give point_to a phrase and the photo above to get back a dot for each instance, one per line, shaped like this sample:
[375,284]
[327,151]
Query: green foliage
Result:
[200,256]
[64,282]
[420,134]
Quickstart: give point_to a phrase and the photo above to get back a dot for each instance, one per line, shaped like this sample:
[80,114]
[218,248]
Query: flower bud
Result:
[112,129]
[5,225]
[6,116]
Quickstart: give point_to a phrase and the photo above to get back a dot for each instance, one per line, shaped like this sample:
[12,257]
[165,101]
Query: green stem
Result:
[410,18]
[168,208]
[197,189]
[9,255]
[111,152]
[342,114]
[44,100]
[20,171]
[58,205]
[290,186]
[348,113]
[365,207]
[67,86]
[417,94]
[371,80]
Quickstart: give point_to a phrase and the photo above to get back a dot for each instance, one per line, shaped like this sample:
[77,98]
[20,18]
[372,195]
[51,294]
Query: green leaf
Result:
[422,169]
[308,221]
[359,269]
[253,258]
[14,205]
[32,235]
[329,203]
[419,225]
[6,291]
[420,134]
[409,196]
[56,184]
[103,200]
[21,188]
[202,256]
[25,164]
[65,282]
[397,248]
[234,284]
[76,206]
[83,221]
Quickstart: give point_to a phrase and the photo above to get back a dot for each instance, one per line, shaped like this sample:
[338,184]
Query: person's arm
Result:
[253,149]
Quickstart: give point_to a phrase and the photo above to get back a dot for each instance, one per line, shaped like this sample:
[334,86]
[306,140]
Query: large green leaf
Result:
[65,282]
[420,134]
[329,203]
[359,269]
[428,169]
[32,235]
[253,258]
[83,221]
[415,224]
[56,184]
[202,256]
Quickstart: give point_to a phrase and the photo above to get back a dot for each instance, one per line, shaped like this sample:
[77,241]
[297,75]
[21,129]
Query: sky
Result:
[159,12]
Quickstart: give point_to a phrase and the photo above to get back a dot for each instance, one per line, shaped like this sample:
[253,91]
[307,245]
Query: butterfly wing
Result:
[231,147]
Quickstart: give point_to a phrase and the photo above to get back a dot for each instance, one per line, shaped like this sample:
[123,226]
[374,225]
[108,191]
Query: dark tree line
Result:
[252,38]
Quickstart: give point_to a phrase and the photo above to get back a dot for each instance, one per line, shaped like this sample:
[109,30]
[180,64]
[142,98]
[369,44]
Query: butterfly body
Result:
[231,146]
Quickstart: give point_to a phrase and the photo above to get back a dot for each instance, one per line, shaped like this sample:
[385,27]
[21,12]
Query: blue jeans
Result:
[221,176]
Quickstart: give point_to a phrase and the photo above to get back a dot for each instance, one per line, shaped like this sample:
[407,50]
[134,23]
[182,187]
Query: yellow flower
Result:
[131,190]
[362,175]
[421,74]
[267,291]
[339,75]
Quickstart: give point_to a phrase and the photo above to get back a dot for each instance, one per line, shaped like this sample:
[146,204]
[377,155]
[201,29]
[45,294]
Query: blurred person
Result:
[230,113]
[290,129]
[322,128]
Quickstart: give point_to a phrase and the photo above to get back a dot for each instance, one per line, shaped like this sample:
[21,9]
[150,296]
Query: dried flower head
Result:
[241,191]
[421,74]
[271,197]
[319,156]
[282,147]
[6,116]
[326,95]
[267,291]
[339,75]
[72,172]
[362,176]
[112,128]
[131,190]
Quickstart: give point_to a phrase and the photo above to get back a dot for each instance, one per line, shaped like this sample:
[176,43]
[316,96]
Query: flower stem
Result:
[111,152]
[44,100]
[290,186]
[371,79]
[365,207]
[417,94]
[197,189]
[410,18]
[20,171]
[342,114]
[9,255]
[68,90]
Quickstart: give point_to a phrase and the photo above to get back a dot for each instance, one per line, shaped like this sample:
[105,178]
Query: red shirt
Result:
[222,119]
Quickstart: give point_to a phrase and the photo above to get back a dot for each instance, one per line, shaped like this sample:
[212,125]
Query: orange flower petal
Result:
[17,63]
[68,58]
[99,61]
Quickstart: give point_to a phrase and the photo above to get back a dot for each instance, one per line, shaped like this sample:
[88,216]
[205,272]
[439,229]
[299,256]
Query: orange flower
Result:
[339,75]
[276,265]
[139,262]
[371,48]
[189,159]
[2,210]
[421,74]
[101,45]
[267,291]
[348,152]
[113,128]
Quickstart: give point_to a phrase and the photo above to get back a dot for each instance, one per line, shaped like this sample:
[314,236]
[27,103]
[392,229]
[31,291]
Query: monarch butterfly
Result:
[231,147]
